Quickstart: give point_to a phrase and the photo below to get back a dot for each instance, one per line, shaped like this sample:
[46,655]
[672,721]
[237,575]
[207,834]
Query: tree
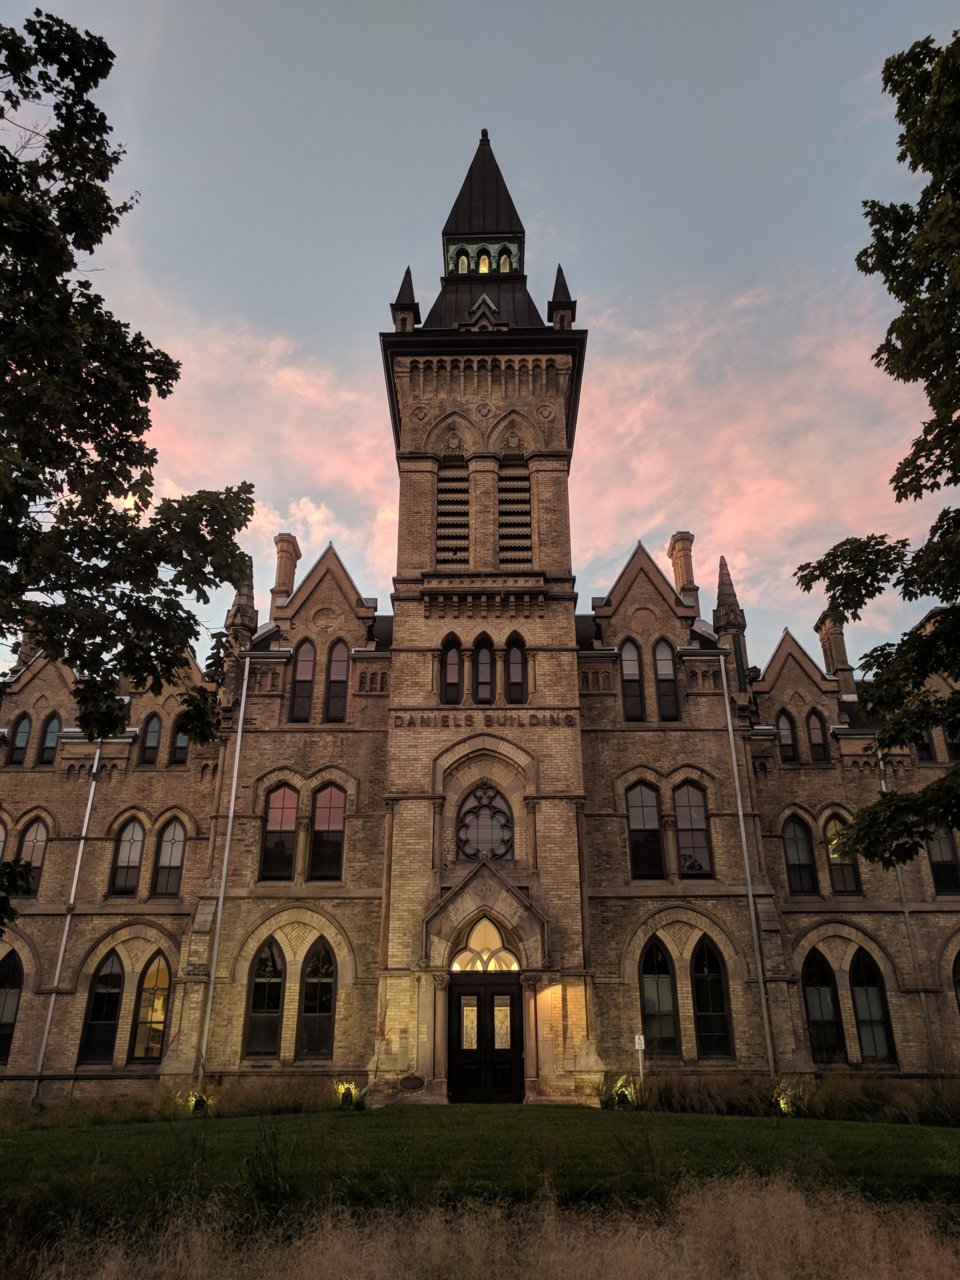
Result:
[914,685]
[92,570]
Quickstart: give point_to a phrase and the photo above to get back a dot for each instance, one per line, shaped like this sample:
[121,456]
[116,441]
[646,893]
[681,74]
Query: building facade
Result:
[474,849]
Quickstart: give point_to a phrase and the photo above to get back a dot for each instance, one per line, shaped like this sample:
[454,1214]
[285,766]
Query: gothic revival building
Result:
[474,849]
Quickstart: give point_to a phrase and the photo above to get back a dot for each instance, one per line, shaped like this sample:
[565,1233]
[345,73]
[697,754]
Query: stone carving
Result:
[679,932]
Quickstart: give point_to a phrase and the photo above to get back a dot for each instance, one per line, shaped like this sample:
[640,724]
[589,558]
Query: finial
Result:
[484,136]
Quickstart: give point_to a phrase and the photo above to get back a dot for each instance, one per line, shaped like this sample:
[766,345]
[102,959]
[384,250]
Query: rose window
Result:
[485,827]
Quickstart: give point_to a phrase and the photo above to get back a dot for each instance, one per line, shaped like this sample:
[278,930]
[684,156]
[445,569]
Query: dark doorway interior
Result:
[486,1038]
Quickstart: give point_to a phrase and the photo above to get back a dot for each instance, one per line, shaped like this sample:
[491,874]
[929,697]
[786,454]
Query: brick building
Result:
[472,849]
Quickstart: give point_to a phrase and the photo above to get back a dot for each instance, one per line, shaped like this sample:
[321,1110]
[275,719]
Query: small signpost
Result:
[639,1042]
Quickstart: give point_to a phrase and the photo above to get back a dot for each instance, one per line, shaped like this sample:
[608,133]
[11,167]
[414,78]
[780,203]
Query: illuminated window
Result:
[631,681]
[693,835]
[484,952]
[710,1003]
[17,751]
[823,1010]
[280,835]
[451,674]
[668,703]
[153,993]
[103,1012]
[870,1008]
[169,868]
[485,825]
[301,695]
[150,740]
[326,849]
[943,862]
[265,1002]
[318,1002]
[484,678]
[658,1002]
[463,263]
[798,851]
[646,843]
[11,984]
[504,261]
[817,737]
[48,740]
[126,860]
[483,262]
[33,848]
[337,670]
[844,873]
[516,672]
[786,738]
[180,743]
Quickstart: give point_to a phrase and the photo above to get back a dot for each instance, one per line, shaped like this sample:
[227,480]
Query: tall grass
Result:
[741,1228]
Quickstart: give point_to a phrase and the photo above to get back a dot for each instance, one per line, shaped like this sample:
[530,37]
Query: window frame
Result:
[819,750]
[840,870]
[693,844]
[708,948]
[150,751]
[130,879]
[484,646]
[821,1050]
[668,689]
[9,1006]
[17,750]
[632,701]
[86,1055]
[786,741]
[944,871]
[802,878]
[301,686]
[36,868]
[451,694]
[138,1019]
[179,756]
[47,750]
[159,867]
[653,1043]
[290,846]
[329,1027]
[335,696]
[515,662]
[258,1018]
[335,845]
[639,847]
[880,1012]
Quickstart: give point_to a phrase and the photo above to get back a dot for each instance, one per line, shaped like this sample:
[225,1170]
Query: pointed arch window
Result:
[318,1003]
[924,745]
[956,979]
[844,872]
[265,1002]
[19,739]
[798,851]
[169,868]
[668,700]
[786,738]
[943,862]
[646,840]
[463,263]
[870,1008]
[280,835]
[337,670]
[516,672]
[485,825]
[150,1021]
[48,739]
[484,675]
[484,951]
[631,681]
[179,743]
[693,835]
[33,848]
[483,262]
[150,740]
[504,261]
[822,1008]
[326,849]
[127,857]
[103,1012]
[817,737]
[11,985]
[710,1016]
[451,674]
[301,695]
[658,1002]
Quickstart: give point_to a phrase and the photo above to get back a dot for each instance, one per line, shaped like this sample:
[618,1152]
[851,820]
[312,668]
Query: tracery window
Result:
[280,835]
[169,867]
[451,674]
[33,848]
[668,701]
[710,1016]
[870,1008]
[180,743]
[943,862]
[326,848]
[817,737]
[484,675]
[631,681]
[150,1020]
[19,739]
[265,1002]
[48,740]
[822,1007]
[798,851]
[844,873]
[11,985]
[337,671]
[646,841]
[786,738]
[301,693]
[658,1001]
[126,860]
[516,672]
[318,1002]
[103,1011]
[485,825]
[693,835]
[484,951]
[150,740]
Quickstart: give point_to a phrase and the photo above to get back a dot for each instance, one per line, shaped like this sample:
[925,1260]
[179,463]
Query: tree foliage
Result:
[914,685]
[92,570]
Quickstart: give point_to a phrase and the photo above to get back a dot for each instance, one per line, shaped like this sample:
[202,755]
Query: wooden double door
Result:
[485,1051]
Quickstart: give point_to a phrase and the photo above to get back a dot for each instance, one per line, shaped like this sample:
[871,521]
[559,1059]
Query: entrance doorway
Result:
[485,1020]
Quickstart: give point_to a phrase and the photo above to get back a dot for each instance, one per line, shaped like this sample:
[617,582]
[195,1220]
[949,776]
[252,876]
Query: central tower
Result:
[484,776]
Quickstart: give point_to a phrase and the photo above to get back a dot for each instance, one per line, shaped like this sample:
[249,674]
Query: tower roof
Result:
[484,206]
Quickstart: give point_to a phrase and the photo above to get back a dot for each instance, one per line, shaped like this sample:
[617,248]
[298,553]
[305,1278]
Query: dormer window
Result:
[483,262]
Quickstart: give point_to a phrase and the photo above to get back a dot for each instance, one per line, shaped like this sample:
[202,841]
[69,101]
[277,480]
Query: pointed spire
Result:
[727,616]
[406,310]
[560,291]
[561,309]
[484,206]
[242,615]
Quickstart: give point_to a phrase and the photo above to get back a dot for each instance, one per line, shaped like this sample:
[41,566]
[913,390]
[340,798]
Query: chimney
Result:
[288,553]
[834,646]
[680,552]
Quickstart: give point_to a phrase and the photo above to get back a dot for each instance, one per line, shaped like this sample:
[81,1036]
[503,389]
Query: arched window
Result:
[710,1003]
[484,951]
[870,1009]
[484,677]
[126,860]
[631,681]
[326,849]
[33,848]
[943,862]
[451,674]
[179,743]
[823,1010]
[103,1011]
[658,1002]
[693,834]
[483,262]
[646,841]
[668,702]
[817,737]
[169,866]
[265,1002]
[19,739]
[150,1020]
[798,851]
[485,825]
[11,984]
[516,672]
[786,738]
[337,670]
[504,260]
[48,739]
[463,263]
[280,835]
[301,695]
[924,745]
[844,873]
[318,1003]
[150,740]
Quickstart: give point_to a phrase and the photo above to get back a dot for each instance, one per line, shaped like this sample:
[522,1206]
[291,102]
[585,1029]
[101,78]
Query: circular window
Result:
[485,828]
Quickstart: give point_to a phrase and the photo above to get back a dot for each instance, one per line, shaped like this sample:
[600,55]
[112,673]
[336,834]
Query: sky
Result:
[697,166]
